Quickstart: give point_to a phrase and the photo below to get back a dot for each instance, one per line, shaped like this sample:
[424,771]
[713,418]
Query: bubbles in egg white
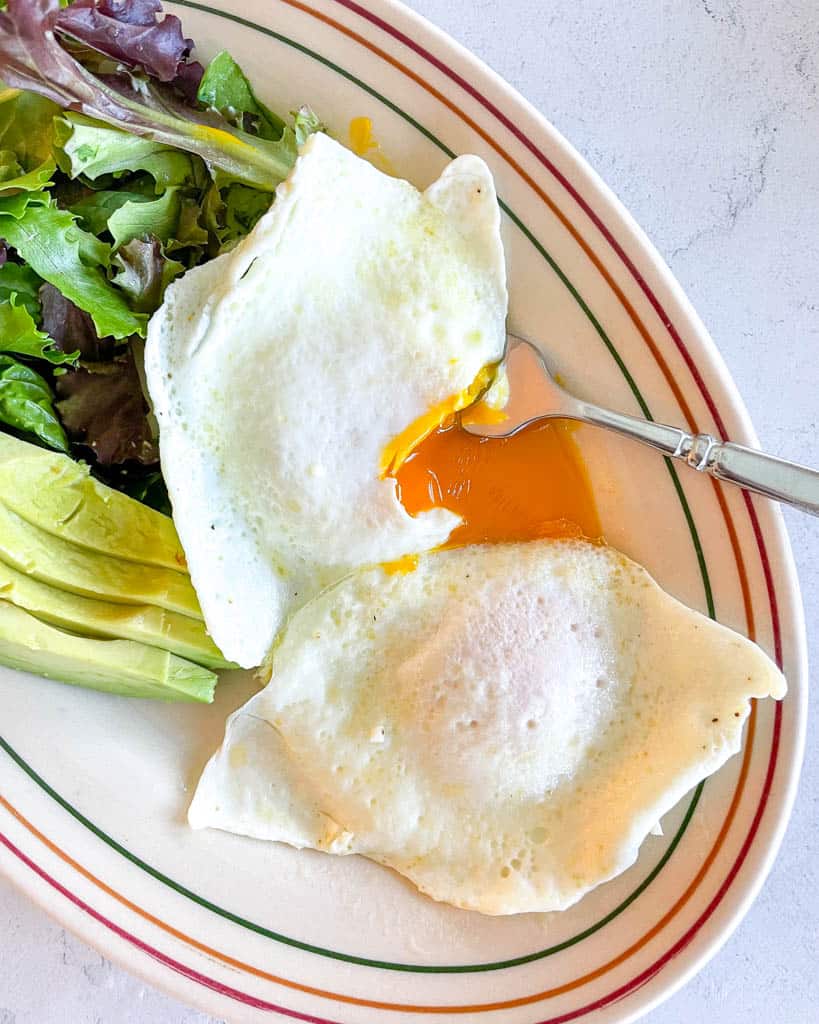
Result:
[281,370]
[504,725]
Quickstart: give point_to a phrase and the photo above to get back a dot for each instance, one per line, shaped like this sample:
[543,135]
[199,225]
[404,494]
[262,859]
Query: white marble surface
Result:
[704,117]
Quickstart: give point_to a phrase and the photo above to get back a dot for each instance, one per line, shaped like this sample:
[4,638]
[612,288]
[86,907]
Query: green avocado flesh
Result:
[115,666]
[50,559]
[59,496]
[143,623]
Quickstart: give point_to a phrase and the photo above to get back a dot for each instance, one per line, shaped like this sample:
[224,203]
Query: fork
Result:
[535,394]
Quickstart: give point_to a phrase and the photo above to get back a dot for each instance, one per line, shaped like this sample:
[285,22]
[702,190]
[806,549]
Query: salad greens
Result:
[89,149]
[113,76]
[19,336]
[17,279]
[102,402]
[225,88]
[143,273]
[26,403]
[70,327]
[49,240]
[123,163]
[26,132]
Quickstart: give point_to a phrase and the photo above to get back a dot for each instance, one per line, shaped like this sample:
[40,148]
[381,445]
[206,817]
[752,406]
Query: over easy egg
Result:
[282,372]
[503,725]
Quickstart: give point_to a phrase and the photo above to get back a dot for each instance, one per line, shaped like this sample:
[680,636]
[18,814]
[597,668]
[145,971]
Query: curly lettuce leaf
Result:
[144,272]
[231,213]
[225,89]
[190,237]
[31,57]
[305,123]
[172,218]
[15,205]
[57,249]
[243,207]
[12,175]
[27,404]
[20,280]
[102,407]
[94,211]
[86,147]
[137,218]
[26,132]
[19,336]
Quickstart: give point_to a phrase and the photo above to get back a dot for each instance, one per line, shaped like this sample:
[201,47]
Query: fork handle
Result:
[754,470]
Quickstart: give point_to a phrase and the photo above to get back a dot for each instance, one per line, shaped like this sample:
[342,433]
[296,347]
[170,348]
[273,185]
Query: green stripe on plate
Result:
[335,954]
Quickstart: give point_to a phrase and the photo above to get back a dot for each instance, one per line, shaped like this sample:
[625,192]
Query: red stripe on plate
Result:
[155,954]
[595,218]
[261,1004]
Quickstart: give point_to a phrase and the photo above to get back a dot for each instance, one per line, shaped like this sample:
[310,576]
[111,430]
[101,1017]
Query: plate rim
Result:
[771,521]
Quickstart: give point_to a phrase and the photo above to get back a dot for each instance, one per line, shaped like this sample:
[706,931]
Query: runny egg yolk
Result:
[362,139]
[364,143]
[524,487]
[408,440]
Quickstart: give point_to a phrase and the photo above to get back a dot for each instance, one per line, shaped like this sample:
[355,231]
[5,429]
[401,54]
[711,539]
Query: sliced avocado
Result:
[60,496]
[84,615]
[63,565]
[115,666]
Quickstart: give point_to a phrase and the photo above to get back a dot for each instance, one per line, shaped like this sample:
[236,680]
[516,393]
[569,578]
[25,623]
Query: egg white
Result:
[280,372]
[504,725]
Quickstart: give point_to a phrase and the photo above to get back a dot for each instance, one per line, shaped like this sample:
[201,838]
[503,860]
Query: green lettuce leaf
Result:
[225,89]
[19,336]
[230,213]
[57,249]
[144,272]
[305,123]
[12,175]
[190,237]
[172,218]
[94,211]
[91,149]
[26,132]
[92,250]
[20,280]
[10,168]
[137,218]
[243,208]
[26,404]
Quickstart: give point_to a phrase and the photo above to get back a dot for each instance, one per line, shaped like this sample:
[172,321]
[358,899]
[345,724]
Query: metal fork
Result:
[536,395]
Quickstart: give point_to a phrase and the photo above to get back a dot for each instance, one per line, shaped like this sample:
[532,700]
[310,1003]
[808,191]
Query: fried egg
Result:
[290,375]
[503,725]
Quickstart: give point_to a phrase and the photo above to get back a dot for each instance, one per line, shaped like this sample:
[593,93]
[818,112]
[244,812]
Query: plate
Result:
[95,788]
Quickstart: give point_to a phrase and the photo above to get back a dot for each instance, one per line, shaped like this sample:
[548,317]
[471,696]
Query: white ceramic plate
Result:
[95,788]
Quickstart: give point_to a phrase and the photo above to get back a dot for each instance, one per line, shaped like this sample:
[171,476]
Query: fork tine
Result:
[533,393]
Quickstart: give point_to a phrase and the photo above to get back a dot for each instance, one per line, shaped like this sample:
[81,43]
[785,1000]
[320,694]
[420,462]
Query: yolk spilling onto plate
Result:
[400,448]
[524,487]
[364,143]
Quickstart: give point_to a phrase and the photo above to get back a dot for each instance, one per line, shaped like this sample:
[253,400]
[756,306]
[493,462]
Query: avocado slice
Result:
[60,496]
[146,624]
[55,561]
[115,666]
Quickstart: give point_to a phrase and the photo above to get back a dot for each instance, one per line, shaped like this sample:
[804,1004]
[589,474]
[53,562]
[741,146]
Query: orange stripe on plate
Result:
[746,596]
[588,251]
[413,1007]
